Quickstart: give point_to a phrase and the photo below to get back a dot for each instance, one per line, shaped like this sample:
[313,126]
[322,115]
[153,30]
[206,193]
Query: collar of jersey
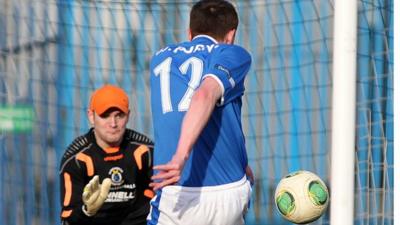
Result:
[110,150]
[206,36]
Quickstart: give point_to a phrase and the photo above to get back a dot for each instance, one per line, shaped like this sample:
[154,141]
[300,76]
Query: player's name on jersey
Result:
[120,196]
[189,50]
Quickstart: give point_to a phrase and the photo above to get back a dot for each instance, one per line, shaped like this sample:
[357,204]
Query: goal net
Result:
[53,54]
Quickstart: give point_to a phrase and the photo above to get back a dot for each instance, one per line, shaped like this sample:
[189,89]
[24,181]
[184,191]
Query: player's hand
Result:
[94,195]
[250,175]
[169,174]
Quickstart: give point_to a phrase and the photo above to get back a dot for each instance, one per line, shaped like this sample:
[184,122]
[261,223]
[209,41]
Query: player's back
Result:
[219,156]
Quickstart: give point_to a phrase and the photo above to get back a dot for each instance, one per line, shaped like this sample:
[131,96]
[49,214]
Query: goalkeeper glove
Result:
[94,195]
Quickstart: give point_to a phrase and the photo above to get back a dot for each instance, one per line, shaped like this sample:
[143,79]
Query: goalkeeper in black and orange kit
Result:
[105,173]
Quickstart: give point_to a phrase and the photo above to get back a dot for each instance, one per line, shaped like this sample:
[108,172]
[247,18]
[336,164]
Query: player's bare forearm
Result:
[201,107]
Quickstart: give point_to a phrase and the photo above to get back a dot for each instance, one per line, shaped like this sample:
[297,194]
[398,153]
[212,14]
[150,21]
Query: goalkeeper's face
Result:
[109,127]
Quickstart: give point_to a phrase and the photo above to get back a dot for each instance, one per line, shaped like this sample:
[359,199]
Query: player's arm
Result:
[250,175]
[201,107]
[73,184]
[144,161]
[148,192]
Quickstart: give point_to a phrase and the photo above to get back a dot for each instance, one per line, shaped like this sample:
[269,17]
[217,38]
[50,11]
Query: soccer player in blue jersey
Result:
[201,174]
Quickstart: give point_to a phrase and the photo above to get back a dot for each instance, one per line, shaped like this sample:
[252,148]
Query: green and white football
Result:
[301,197]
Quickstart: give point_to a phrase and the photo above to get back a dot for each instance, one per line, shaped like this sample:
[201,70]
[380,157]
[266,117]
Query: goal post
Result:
[54,53]
[343,112]
[396,111]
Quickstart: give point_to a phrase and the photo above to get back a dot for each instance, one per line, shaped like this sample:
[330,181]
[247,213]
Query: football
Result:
[301,197]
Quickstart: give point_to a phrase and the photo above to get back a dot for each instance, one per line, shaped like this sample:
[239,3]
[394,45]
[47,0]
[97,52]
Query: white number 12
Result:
[164,71]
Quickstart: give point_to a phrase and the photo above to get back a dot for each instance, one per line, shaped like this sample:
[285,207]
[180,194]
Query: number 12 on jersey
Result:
[164,71]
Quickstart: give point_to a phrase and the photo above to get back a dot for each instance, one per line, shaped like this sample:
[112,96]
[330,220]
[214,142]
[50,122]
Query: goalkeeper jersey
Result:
[219,155]
[129,167]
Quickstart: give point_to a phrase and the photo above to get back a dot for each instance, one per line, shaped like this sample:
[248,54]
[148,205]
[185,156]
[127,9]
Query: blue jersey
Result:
[219,155]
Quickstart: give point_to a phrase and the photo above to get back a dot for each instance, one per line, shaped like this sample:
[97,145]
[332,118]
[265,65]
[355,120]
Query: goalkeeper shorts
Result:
[219,205]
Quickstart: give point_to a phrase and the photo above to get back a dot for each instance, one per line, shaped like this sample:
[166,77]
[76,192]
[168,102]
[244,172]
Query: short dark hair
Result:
[213,17]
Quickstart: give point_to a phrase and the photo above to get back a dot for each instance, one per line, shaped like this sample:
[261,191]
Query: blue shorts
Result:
[213,205]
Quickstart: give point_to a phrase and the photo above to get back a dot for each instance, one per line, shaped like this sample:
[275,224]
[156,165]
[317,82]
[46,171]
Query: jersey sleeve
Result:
[72,182]
[229,66]
[146,172]
[143,156]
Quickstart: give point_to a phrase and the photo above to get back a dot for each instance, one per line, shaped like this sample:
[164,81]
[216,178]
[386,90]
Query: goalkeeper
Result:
[105,173]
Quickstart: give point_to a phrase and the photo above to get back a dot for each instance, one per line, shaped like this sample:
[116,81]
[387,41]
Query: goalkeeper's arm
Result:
[78,205]
[94,195]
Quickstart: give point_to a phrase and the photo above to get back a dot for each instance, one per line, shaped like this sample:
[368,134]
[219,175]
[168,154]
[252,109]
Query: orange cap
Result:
[107,97]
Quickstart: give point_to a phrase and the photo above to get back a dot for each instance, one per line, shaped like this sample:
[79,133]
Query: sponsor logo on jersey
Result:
[120,196]
[225,70]
[228,74]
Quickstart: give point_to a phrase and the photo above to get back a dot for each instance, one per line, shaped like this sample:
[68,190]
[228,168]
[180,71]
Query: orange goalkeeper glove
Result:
[94,195]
